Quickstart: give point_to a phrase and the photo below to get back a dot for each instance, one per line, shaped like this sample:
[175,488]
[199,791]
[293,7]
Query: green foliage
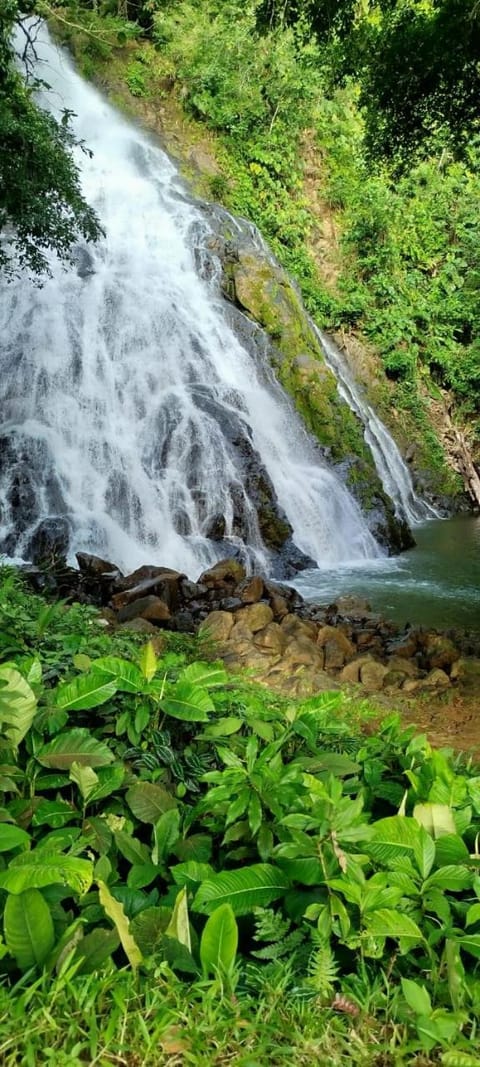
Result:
[295,851]
[41,205]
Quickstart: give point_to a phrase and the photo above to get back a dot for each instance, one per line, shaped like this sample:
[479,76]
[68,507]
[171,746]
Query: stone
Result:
[440,651]
[49,541]
[394,679]
[255,616]
[372,676]
[183,622]
[302,651]
[144,574]
[406,645]
[351,672]
[355,606]
[340,648]
[147,607]
[466,672]
[139,626]
[279,607]
[95,567]
[250,590]
[406,666]
[271,637]
[295,627]
[230,603]
[164,585]
[436,679]
[334,655]
[225,570]
[191,590]
[218,625]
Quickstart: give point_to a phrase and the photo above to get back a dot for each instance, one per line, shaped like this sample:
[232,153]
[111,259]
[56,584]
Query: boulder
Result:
[354,606]
[255,616]
[95,567]
[351,672]
[146,607]
[436,679]
[50,540]
[302,651]
[164,585]
[295,627]
[338,648]
[372,676]
[406,666]
[439,651]
[142,626]
[250,591]
[279,607]
[218,625]
[144,574]
[229,570]
[271,637]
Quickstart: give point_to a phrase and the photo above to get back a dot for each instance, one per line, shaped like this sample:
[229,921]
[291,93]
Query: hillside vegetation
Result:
[351,139]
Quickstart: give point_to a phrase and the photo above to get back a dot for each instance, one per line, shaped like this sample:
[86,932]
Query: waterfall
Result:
[128,403]
[391,467]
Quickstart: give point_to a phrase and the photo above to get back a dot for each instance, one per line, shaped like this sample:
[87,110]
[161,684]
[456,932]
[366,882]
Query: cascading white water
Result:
[392,469]
[124,391]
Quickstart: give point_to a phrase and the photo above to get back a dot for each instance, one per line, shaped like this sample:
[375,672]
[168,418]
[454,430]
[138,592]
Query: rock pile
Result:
[267,628]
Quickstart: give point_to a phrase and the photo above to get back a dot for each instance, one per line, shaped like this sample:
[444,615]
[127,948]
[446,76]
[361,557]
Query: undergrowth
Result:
[194,870]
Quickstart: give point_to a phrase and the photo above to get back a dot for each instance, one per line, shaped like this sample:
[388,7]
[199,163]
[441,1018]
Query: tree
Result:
[41,204]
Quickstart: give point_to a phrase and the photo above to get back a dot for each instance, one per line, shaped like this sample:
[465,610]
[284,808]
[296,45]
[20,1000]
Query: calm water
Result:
[435,584]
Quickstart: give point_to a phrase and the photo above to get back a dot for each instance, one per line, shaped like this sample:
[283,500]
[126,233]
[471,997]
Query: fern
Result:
[272,927]
[322,969]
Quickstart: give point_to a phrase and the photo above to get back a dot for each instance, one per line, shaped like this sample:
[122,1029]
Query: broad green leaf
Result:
[114,911]
[148,927]
[166,833]
[147,661]
[17,706]
[135,851]
[125,676]
[179,926]
[416,996]
[142,874]
[307,870]
[33,870]
[192,873]
[81,662]
[75,746]
[219,941]
[450,877]
[28,927]
[54,813]
[473,915]
[84,777]
[223,727]
[400,838]
[13,837]
[450,849]
[197,847]
[470,943]
[244,889]
[385,922]
[187,702]
[436,818]
[149,801]
[205,675]
[86,691]
[459,1059]
[95,949]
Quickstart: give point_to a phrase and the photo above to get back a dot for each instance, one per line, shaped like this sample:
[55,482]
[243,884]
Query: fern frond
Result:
[322,971]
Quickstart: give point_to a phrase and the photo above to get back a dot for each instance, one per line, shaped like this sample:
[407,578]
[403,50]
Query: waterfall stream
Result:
[128,402]
[392,469]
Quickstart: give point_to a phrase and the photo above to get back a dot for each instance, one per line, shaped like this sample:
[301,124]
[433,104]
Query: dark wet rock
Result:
[95,567]
[250,590]
[215,528]
[50,541]
[230,603]
[226,570]
[146,607]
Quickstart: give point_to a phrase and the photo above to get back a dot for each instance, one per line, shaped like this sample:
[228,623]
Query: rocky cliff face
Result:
[262,295]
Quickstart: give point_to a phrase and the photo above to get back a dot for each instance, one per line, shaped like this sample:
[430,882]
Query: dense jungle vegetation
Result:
[194,870]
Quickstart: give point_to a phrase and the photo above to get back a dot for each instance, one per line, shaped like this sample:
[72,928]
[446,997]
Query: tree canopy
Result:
[41,204]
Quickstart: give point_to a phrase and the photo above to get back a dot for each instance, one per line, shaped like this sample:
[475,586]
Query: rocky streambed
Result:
[268,629]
